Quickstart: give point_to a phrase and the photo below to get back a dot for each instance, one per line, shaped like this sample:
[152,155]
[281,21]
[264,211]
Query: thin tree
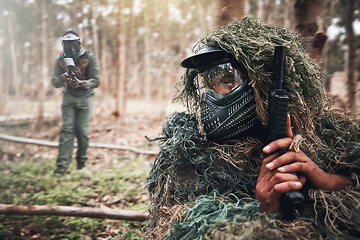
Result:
[350,54]
[309,15]
[230,10]
[3,95]
[270,12]
[147,90]
[128,55]
[104,56]
[83,26]
[42,64]
[14,83]
[119,108]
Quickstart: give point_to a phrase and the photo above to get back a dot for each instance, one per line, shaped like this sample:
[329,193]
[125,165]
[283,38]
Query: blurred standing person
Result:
[77,101]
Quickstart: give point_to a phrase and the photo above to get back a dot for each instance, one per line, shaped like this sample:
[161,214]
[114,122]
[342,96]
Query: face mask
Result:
[71,48]
[228,107]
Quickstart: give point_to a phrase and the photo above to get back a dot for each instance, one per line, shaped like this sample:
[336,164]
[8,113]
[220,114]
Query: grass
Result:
[31,182]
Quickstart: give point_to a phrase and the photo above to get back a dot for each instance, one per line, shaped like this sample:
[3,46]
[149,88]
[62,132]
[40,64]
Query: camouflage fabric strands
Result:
[184,172]
[252,44]
[201,189]
[209,210]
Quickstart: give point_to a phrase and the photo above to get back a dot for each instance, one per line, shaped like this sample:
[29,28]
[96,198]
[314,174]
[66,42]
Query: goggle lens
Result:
[223,78]
[70,44]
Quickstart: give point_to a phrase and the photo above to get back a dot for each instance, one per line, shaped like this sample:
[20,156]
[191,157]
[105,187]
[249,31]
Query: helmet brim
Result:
[207,57]
[70,37]
[191,61]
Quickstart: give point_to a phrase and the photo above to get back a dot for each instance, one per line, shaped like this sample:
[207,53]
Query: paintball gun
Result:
[291,201]
[70,65]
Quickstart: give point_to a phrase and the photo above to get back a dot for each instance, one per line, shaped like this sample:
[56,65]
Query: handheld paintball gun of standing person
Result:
[291,201]
[70,65]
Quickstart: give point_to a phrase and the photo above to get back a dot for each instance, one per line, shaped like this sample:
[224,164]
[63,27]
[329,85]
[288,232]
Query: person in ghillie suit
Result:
[212,178]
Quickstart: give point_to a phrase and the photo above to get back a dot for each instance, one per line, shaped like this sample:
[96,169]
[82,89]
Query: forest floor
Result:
[143,120]
[114,179]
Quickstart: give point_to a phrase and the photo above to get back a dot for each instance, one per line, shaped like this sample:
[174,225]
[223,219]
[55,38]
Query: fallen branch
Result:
[128,215]
[54,144]
[27,119]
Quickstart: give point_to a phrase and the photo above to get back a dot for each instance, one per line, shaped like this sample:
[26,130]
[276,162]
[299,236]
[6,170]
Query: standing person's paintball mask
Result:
[71,44]
[228,106]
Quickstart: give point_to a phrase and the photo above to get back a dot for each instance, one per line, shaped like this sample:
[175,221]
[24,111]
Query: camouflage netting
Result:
[205,190]
[253,44]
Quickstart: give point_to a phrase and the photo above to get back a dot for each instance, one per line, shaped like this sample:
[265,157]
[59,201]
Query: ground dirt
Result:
[143,120]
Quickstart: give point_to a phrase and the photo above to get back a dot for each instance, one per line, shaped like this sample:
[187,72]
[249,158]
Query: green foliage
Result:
[31,182]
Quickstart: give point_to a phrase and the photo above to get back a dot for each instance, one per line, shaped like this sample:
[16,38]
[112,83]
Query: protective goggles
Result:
[223,77]
[70,44]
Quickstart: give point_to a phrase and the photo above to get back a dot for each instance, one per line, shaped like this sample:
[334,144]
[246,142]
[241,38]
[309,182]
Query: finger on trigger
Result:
[289,132]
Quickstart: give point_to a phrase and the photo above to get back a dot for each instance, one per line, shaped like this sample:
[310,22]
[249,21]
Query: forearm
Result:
[56,78]
[57,82]
[91,83]
[337,182]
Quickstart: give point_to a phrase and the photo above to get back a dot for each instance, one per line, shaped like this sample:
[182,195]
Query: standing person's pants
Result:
[76,115]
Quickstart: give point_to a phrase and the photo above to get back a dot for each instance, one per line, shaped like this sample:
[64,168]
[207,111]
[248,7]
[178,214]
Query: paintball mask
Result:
[228,105]
[71,44]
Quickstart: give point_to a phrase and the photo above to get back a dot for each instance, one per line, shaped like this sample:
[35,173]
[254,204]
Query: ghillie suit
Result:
[200,189]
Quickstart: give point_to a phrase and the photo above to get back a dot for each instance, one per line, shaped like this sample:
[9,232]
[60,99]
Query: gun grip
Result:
[292,203]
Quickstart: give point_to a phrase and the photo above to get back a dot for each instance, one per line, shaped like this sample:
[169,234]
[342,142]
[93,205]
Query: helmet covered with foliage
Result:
[227,105]
[206,189]
[252,45]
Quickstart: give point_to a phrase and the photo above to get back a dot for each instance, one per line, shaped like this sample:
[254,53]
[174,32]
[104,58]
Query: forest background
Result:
[140,44]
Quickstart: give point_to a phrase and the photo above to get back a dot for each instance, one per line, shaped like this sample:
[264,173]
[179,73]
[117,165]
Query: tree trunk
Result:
[119,81]
[94,29]
[229,10]
[183,32]
[14,84]
[42,64]
[288,14]
[3,94]
[270,10]
[82,29]
[351,55]
[309,16]
[109,213]
[147,87]
[164,87]
[53,54]
[259,9]
[74,16]
[103,59]
[128,56]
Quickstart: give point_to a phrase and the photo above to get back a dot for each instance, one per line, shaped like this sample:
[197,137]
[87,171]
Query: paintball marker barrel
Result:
[291,201]
[278,98]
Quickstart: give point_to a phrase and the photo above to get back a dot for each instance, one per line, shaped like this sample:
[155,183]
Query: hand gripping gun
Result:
[70,65]
[291,201]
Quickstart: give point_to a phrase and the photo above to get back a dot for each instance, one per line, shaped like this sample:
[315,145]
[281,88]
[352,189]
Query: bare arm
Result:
[280,174]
